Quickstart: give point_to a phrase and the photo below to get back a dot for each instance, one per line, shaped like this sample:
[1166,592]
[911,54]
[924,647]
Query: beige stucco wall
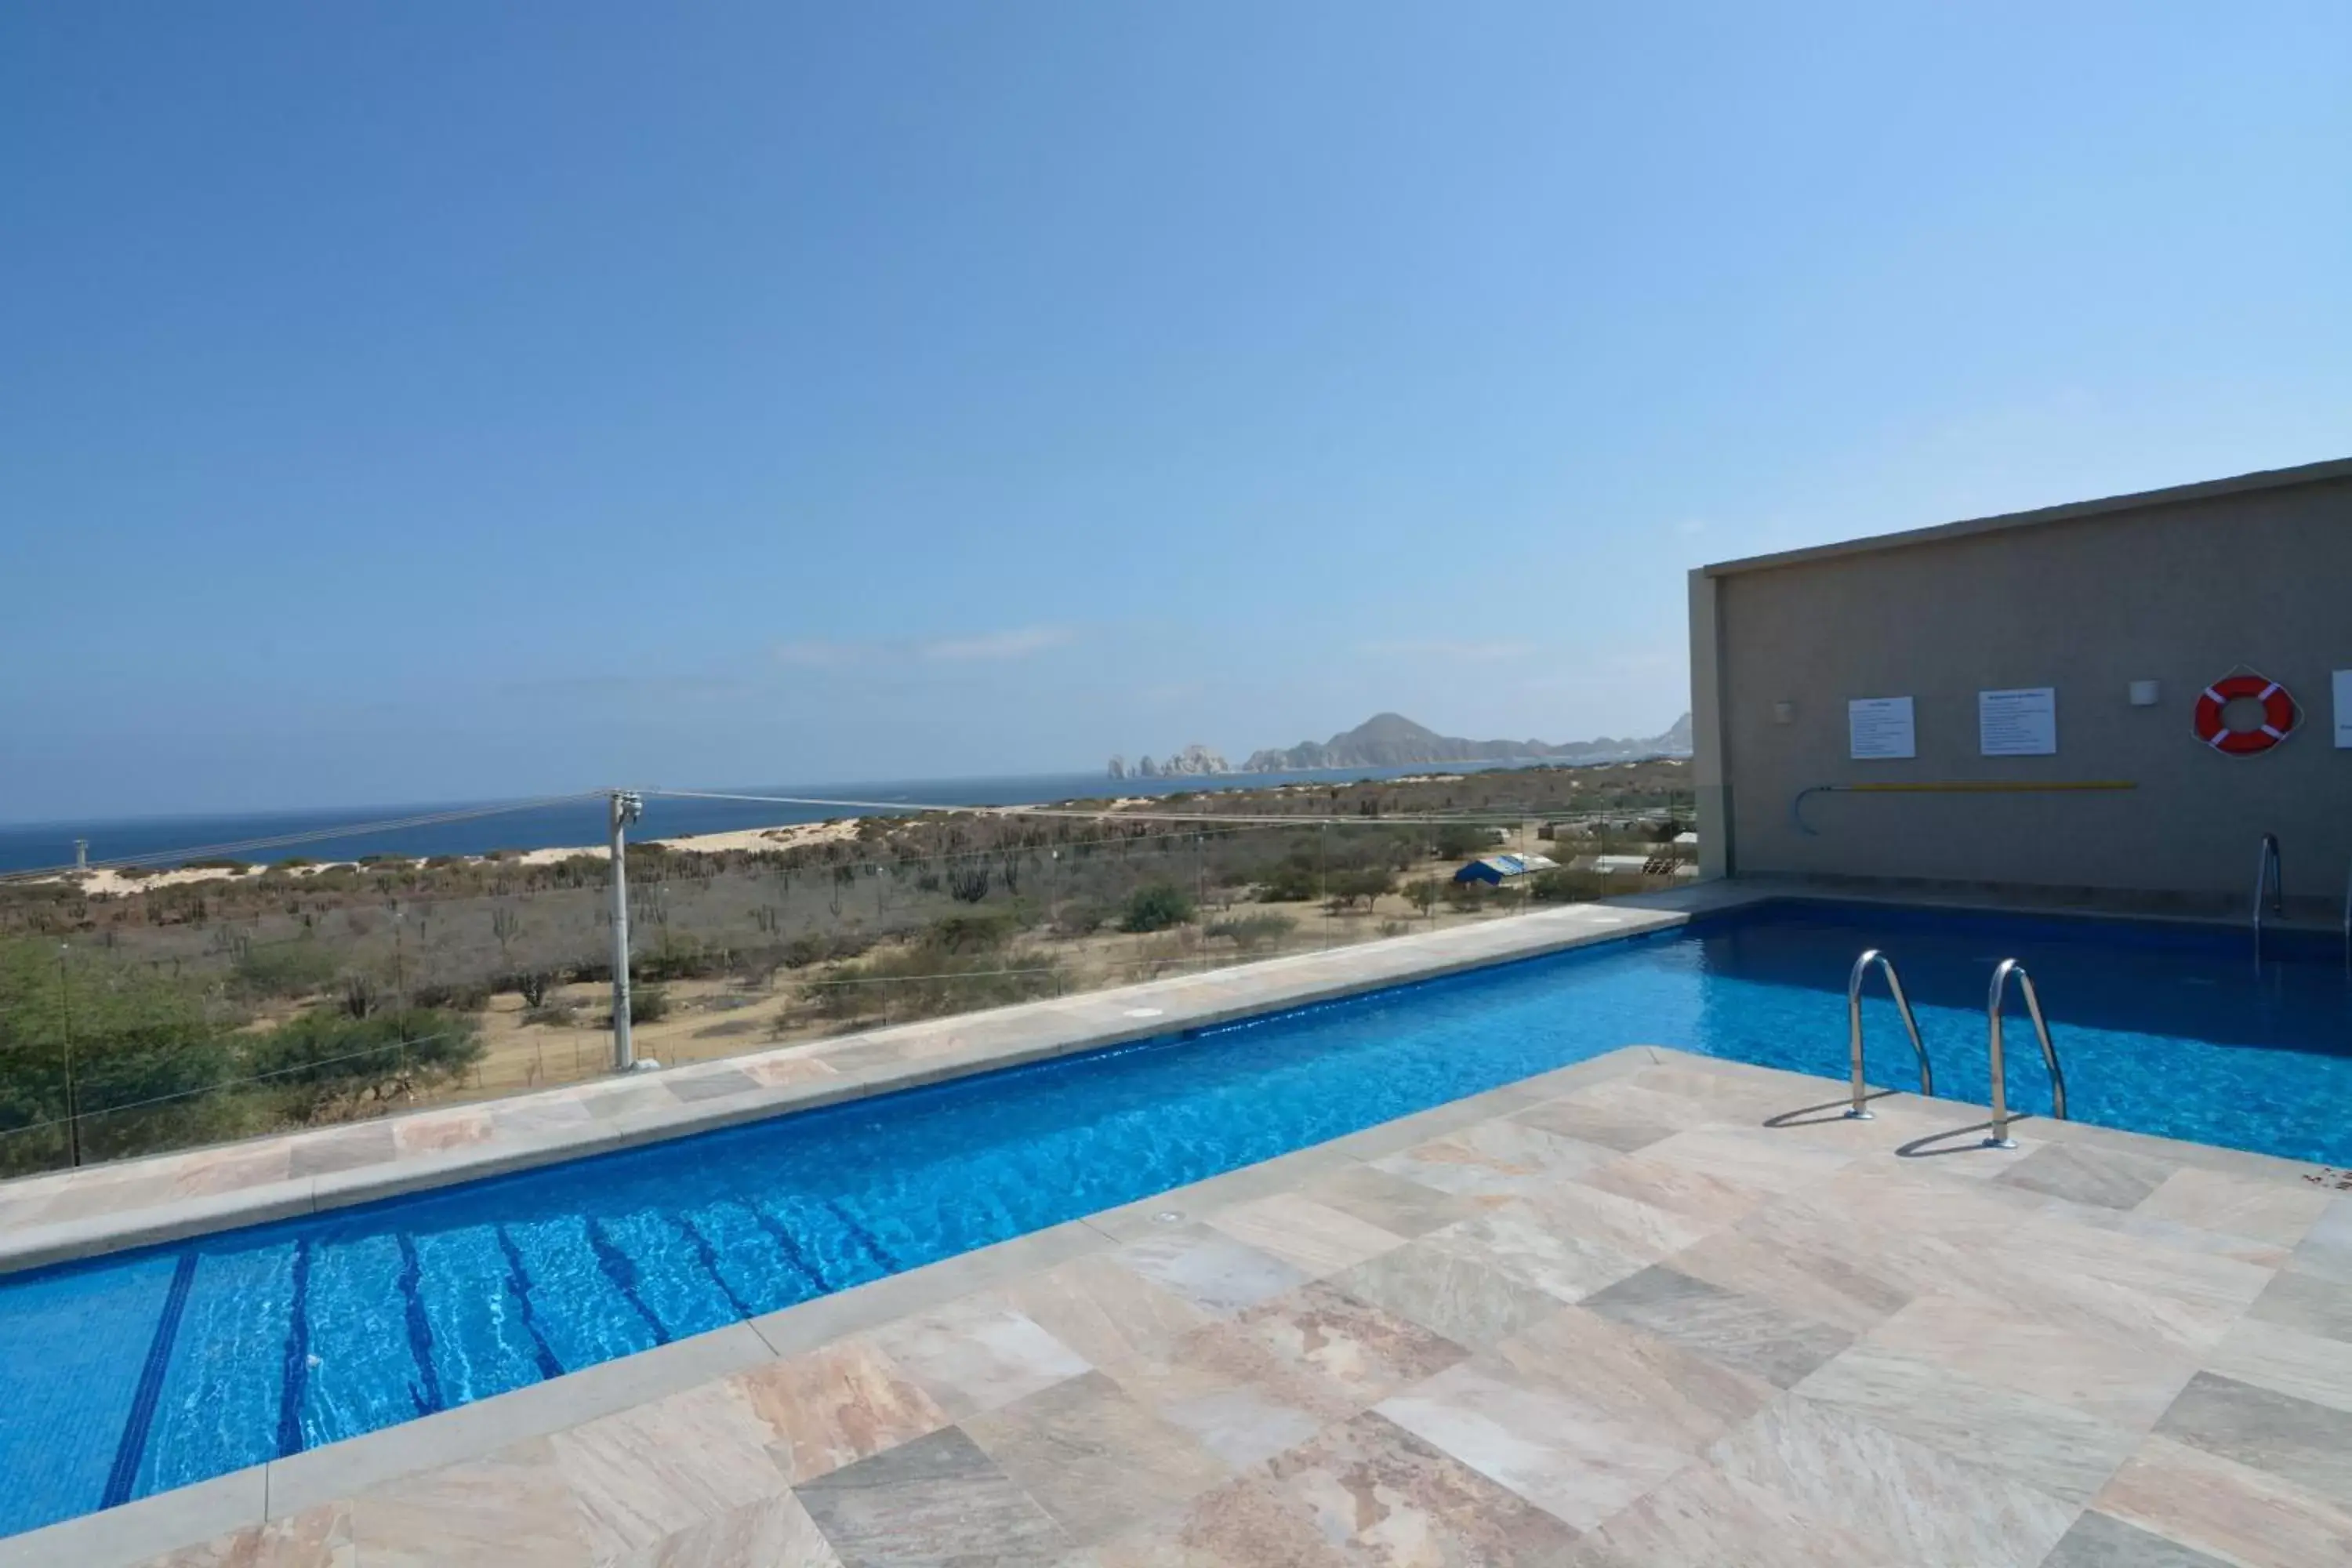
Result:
[2178,593]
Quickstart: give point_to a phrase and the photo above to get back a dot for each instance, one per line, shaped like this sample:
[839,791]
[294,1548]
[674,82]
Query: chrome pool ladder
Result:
[2269,878]
[1993,995]
[1860,1110]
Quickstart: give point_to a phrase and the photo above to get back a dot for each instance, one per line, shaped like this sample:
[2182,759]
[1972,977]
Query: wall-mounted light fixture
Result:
[2144,693]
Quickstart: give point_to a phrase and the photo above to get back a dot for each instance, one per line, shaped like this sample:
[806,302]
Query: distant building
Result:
[1495,869]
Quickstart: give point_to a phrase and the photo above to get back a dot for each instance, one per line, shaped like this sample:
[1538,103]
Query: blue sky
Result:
[432,401]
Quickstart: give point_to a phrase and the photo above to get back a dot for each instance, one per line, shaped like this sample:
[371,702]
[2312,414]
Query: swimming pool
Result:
[133,1374]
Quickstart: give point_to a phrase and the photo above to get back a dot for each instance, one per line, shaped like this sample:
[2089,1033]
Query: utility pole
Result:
[626,808]
[73,1108]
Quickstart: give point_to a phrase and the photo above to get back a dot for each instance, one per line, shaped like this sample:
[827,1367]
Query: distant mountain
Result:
[1394,740]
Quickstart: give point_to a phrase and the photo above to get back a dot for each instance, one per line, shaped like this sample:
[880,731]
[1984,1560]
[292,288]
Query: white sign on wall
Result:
[2344,707]
[2019,723]
[1880,729]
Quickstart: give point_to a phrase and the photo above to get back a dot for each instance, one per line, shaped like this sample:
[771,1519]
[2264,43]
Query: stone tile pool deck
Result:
[1651,1309]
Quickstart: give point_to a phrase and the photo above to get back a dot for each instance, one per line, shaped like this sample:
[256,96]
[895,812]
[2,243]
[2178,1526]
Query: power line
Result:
[312,836]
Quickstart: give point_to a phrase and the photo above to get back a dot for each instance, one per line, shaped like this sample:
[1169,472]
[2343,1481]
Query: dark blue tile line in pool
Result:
[865,1238]
[518,1280]
[426,1390]
[132,1447]
[801,1264]
[708,1257]
[294,1381]
[624,1276]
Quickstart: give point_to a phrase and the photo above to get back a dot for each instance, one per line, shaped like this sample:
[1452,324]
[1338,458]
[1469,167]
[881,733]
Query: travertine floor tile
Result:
[974,1355]
[2275,1212]
[1651,1178]
[1922,1505]
[1248,1523]
[316,1538]
[2059,1449]
[1106,1311]
[1645,1383]
[1210,1268]
[2234,1512]
[2309,1302]
[1495,1159]
[656,1469]
[1630,1225]
[1314,1238]
[1609,1127]
[775,1533]
[2308,1443]
[1703,1519]
[1536,1248]
[2089,1174]
[835,1405]
[1559,1455]
[2102,1540]
[1385,1499]
[1740,1332]
[934,1502]
[1393,1203]
[2270,1355]
[1450,1292]
[1808,1281]
[513,1506]
[1363,1351]
[1094,1458]
[1755,1159]
[2121,1381]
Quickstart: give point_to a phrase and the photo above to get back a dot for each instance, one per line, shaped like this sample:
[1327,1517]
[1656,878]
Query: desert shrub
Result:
[1251,932]
[647,1004]
[1080,917]
[1468,896]
[557,1012]
[455,997]
[139,1039]
[676,958]
[217,863]
[293,968]
[1359,885]
[972,933]
[1290,881]
[531,984]
[968,883]
[1395,928]
[922,982]
[823,947]
[1462,840]
[327,1066]
[1155,906]
[1424,893]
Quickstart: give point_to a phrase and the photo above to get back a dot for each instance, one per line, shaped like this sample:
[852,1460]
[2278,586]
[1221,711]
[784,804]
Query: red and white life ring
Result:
[2279,715]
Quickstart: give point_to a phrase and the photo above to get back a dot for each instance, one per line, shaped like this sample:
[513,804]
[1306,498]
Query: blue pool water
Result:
[133,1374]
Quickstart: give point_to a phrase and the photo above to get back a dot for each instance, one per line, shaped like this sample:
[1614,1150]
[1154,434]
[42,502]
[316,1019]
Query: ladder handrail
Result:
[1993,995]
[2269,876]
[2347,916]
[1859,1111]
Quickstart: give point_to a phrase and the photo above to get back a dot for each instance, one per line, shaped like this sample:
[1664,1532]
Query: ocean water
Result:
[133,1374]
[164,840]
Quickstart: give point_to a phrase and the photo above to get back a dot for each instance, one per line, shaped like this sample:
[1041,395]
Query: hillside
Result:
[1394,740]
